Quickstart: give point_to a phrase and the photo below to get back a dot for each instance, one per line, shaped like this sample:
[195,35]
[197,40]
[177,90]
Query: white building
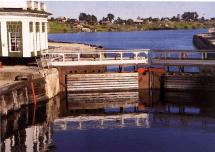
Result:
[23,28]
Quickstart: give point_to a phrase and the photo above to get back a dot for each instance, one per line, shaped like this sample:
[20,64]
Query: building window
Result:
[43,27]
[31,27]
[37,27]
[14,33]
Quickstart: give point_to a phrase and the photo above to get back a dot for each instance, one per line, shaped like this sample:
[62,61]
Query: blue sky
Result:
[128,9]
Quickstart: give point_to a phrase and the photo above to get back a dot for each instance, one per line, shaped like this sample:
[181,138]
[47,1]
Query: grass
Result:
[55,27]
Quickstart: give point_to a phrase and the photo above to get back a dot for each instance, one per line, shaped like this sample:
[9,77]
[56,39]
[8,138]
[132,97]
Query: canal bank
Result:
[22,85]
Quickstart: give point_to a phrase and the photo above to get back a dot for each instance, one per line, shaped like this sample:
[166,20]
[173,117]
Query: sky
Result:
[129,9]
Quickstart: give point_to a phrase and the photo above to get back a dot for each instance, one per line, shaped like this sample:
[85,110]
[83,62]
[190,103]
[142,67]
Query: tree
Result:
[174,18]
[52,19]
[104,19]
[72,21]
[110,17]
[90,19]
[119,21]
[82,17]
[190,16]
[129,22]
[94,19]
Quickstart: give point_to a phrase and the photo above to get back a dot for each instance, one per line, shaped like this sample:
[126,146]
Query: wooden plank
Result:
[108,81]
[189,82]
[104,96]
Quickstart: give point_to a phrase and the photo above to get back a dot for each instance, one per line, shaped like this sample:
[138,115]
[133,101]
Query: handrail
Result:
[93,51]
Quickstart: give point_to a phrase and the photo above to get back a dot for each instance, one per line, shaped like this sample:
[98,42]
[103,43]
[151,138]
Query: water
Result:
[150,121]
[161,39]
[158,40]
[145,121]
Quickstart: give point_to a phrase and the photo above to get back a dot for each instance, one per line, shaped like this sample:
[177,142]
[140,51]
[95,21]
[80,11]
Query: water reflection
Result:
[43,128]
[30,128]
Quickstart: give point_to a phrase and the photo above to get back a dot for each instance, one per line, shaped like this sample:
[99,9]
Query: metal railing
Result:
[58,57]
[96,57]
[183,57]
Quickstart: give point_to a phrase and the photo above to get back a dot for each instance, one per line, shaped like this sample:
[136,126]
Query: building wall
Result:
[32,42]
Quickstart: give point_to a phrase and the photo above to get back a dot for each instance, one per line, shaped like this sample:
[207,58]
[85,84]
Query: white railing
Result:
[95,57]
[106,121]
[183,57]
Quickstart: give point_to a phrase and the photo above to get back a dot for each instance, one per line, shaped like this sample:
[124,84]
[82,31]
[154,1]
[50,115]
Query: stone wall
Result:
[20,93]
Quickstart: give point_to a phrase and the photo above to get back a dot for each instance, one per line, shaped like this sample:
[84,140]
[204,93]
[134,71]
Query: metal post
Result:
[78,56]
[165,54]
[100,55]
[206,55]
[121,56]
[63,57]
[136,55]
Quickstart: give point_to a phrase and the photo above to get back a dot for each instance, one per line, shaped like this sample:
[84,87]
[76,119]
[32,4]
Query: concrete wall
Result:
[18,94]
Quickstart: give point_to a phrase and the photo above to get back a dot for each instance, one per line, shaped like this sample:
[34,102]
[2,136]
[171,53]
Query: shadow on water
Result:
[84,117]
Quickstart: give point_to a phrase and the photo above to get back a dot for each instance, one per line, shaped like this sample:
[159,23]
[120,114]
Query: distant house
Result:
[79,26]
[165,19]
[23,29]
[73,21]
[61,19]
[138,21]
[85,30]
[105,22]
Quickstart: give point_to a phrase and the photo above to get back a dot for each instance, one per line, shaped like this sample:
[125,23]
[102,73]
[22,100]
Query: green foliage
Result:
[90,19]
[128,25]
[55,27]
[110,17]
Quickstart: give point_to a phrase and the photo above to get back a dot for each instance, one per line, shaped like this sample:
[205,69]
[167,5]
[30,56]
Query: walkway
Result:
[130,57]
[107,57]
[183,58]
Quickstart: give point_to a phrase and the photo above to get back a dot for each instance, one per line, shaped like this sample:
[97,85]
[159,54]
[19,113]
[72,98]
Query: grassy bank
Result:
[55,27]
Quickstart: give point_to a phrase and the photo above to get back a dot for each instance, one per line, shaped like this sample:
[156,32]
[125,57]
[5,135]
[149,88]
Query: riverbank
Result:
[73,45]
[158,25]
